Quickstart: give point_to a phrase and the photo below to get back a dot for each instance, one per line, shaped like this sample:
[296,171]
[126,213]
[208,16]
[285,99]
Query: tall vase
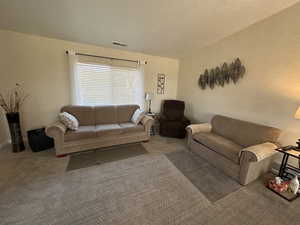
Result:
[13,120]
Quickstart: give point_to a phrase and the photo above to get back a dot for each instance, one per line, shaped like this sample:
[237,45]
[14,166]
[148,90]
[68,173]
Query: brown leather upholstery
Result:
[172,120]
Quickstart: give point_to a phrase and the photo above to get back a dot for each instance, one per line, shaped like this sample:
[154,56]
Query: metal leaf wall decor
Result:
[221,76]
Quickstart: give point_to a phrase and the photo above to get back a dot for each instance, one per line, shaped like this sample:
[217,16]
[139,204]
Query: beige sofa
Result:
[99,126]
[242,150]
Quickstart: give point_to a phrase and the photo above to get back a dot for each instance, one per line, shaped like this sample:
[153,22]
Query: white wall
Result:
[270,91]
[41,66]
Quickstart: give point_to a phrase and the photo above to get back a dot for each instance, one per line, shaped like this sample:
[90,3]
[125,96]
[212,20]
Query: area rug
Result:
[146,189]
[104,155]
[214,184]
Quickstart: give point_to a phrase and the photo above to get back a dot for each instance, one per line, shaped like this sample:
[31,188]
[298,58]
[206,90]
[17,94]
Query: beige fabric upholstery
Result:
[216,159]
[147,121]
[106,114]
[56,128]
[84,114]
[242,132]
[195,128]
[125,112]
[228,146]
[131,127]
[256,161]
[99,126]
[108,129]
[219,144]
[203,127]
[57,132]
[259,152]
[82,132]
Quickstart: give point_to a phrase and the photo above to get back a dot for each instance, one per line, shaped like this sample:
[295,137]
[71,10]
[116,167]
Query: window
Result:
[105,84]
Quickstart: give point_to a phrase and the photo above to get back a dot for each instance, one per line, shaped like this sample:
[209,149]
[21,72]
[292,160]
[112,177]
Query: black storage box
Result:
[38,140]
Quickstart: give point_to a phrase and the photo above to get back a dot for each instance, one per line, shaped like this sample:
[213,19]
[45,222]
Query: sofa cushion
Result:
[242,132]
[125,112]
[219,144]
[106,114]
[108,129]
[131,127]
[84,114]
[82,132]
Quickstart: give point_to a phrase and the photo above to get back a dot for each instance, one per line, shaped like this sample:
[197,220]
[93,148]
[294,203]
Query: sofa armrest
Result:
[255,161]
[56,129]
[196,128]
[147,121]
[257,153]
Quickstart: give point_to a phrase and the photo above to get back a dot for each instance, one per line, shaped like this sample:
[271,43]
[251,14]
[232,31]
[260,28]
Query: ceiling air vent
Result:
[119,43]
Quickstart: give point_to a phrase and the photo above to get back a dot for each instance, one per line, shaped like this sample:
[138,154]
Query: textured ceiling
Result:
[170,28]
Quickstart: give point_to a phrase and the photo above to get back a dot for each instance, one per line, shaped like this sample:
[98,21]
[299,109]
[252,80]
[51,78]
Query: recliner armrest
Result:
[196,128]
[186,121]
[259,152]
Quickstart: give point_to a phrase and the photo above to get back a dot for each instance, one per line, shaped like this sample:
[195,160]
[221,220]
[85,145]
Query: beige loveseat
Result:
[99,126]
[241,149]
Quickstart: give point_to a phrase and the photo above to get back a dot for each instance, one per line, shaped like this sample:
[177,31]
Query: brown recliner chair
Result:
[172,119]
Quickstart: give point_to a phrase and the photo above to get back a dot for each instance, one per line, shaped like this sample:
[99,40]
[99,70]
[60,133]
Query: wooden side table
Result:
[155,127]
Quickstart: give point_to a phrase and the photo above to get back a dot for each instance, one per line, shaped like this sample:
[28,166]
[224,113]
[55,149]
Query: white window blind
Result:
[105,84]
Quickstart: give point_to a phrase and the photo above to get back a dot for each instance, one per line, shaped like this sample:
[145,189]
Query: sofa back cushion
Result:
[84,114]
[106,114]
[242,132]
[125,112]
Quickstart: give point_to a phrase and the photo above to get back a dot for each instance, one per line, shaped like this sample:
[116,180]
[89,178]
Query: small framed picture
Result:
[161,83]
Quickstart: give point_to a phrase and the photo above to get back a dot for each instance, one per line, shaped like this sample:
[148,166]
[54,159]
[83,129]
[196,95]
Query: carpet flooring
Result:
[148,189]
[142,190]
[105,155]
[210,181]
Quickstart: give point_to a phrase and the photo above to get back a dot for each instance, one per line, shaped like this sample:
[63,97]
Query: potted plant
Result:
[11,104]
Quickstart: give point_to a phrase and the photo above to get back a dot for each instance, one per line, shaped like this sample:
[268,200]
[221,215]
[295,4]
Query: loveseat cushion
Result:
[219,144]
[243,132]
[108,129]
[83,132]
[131,127]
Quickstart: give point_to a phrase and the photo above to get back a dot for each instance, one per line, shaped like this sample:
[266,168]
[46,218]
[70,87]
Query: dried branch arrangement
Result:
[221,76]
[13,100]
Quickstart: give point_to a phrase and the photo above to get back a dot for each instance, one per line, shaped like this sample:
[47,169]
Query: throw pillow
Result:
[137,116]
[69,120]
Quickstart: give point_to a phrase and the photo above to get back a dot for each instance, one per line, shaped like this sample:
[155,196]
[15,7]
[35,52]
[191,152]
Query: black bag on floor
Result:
[39,141]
